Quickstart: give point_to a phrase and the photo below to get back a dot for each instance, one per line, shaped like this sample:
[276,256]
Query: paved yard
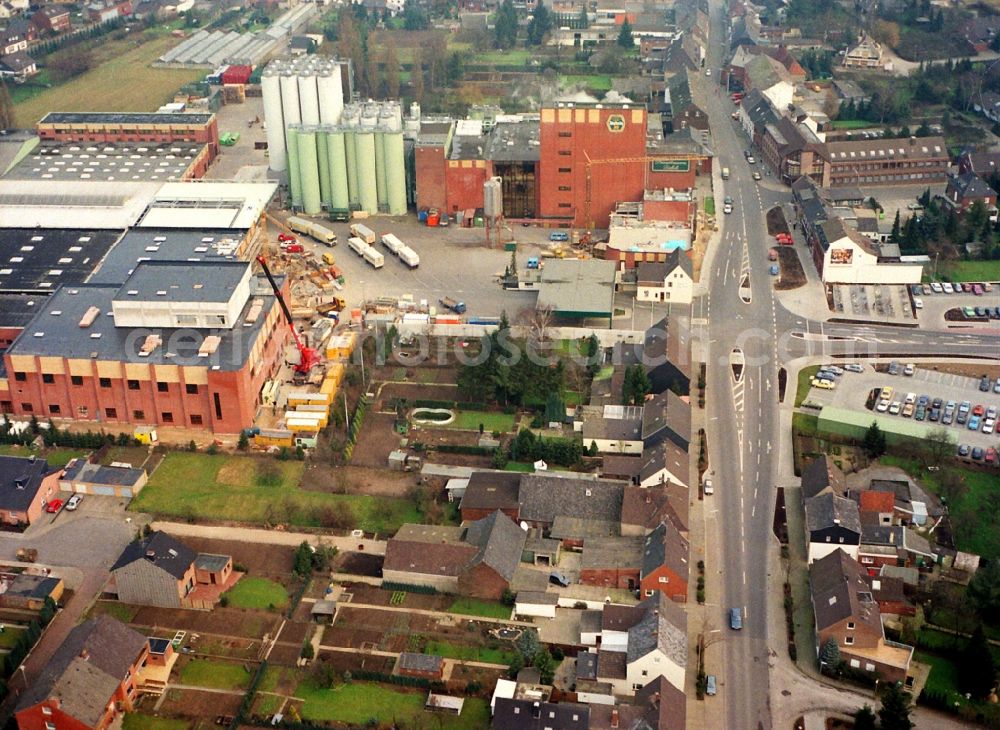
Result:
[853,389]
[873,302]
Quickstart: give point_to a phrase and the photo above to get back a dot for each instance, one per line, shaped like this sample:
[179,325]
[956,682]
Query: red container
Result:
[433,218]
[237,75]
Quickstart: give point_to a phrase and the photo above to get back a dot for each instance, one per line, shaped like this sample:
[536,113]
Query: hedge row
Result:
[369,676]
[464,449]
[388,585]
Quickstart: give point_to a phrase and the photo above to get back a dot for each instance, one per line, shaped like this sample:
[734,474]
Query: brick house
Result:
[893,545]
[478,560]
[876,507]
[90,680]
[664,565]
[847,613]
[611,562]
[28,592]
[52,19]
[822,475]
[966,189]
[162,571]
[425,666]
[26,486]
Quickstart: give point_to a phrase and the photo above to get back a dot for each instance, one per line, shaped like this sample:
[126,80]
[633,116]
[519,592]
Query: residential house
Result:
[26,486]
[665,563]
[866,53]
[159,570]
[82,477]
[756,114]
[643,642]
[980,32]
[968,188]
[28,592]
[846,613]
[682,112]
[671,281]
[488,491]
[17,67]
[772,80]
[90,680]
[893,545]
[849,92]
[793,150]
[478,560]
[666,417]
[644,508]
[984,164]
[845,256]
[614,429]
[611,562]
[832,523]
[663,463]
[615,466]
[890,595]
[527,714]
[822,475]
[51,19]
[12,41]
[664,353]
[424,666]
[880,161]
[103,11]
[876,508]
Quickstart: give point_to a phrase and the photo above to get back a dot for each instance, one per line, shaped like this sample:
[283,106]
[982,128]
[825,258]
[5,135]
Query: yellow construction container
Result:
[298,425]
[335,373]
[301,398]
[340,347]
[319,420]
[273,437]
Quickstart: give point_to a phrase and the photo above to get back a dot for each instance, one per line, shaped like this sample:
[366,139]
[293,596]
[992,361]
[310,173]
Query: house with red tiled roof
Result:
[876,507]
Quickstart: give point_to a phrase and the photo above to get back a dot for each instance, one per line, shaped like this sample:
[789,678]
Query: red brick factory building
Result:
[568,166]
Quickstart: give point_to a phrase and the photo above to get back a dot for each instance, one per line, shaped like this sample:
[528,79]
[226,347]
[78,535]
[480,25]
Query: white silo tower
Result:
[274,117]
[308,96]
[331,93]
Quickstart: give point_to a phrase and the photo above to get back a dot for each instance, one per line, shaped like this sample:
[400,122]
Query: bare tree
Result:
[541,320]
[939,445]
[7,120]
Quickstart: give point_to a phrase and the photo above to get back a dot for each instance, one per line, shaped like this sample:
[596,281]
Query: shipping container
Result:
[237,74]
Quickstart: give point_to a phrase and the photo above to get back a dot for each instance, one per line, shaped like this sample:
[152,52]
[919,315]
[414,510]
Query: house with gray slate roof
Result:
[832,522]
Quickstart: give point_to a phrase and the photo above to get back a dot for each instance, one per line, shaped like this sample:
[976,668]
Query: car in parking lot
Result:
[989,425]
[909,369]
[707,487]
[934,415]
[710,685]
[991,456]
[948,288]
[835,369]
[963,449]
[910,398]
[921,413]
[923,400]
[895,407]
[936,403]
[973,424]
[74,502]
[978,410]
[823,384]
[948,418]
[286,238]
[894,368]
[908,410]
[977,453]
[980,311]
[773,271]
[936,287]
[977,289]
[886,393]
[854,367]
[991,412]
[918,303]
[968,312]
[558,236]
[882,406]
[751,160]
[996,386]
[53,506]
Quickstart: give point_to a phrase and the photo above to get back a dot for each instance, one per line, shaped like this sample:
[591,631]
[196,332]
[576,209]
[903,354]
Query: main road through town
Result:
[742,315]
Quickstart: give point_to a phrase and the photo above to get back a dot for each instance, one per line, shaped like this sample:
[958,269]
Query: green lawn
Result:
[470,420]
[137,721]
[520,466]
[709,206]
[594,82]
[805,424]
[258,593]
[513,57]
[56,457]
[472,607]
[972,515]
[10,636]
[972,270]
[239,488]
[357,703]
[805,375]
[469,653]
[121,611]
[851,124]
[216,675]
[943,676]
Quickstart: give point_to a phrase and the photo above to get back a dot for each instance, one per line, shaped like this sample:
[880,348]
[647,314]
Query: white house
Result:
[615,429]
[665,462]
[670,281]
[832,523]
[536,603]
[851,258]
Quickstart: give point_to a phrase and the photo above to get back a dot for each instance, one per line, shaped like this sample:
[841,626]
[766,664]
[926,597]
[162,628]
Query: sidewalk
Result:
[271,537]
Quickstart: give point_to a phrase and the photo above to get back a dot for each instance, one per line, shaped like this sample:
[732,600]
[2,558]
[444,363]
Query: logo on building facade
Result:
[616,123]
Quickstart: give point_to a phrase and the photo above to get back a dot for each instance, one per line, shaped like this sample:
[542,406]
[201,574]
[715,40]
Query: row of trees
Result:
[941,232]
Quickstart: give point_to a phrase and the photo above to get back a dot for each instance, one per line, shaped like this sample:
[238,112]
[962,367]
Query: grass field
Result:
[709,206]
[259,593]
[470,420]
[594,82]
[513,57]
[121,80]
[805,375]
[121,611]
[472,607]
[975,530]
[136,721]
[357,703]
[972,270]
[223,487]
[943,676]
[216,675]
[56,457]
[851,124]
[469,653]
[520,466]
[10,636]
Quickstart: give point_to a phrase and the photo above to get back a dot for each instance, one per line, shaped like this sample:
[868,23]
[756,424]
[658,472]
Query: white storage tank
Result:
[290,98]
[331,94]
[274,118]
[308,100]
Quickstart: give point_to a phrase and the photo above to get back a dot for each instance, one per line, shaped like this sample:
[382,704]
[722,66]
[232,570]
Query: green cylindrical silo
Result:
[382,188]
[368,187]
[309,178]
[324,167]
[294,172]
[351,153]
[340,199]
[395,167]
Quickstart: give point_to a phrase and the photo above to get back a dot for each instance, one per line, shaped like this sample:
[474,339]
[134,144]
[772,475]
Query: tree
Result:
[864,719]
[546,665]
[636,385]
[528,644]
[6,108]
[593,355]
[886,32]
[625,39]
[939,446]
[896,236]
[414,17]
[830,656]
[976,668]
[69,63]
[505,26]
[874,441]
[303,563]
[984,588]
[582,19]
[417,76]
[896,708]
[540,25]
[244,443]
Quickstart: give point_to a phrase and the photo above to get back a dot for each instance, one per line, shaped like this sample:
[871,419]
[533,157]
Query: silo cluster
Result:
[307,90]
[357,164]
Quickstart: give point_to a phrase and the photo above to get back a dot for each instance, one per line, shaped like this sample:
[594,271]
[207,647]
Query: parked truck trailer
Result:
[366,234]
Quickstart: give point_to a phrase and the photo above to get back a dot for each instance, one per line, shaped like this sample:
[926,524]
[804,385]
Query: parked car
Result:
[558,579]
[835,369]
[934,415]
[980,311]
[996,386]
[882,406]
[923,400]
[977,453]
[825,375]
[973,424]
[936,403]
[894,368]
[708,487]
[751,160]
[918,303]
[854,367]
[989,425]
[886,393]
[921,413]
[991,412]
[991,456]
[295,248]
[936,287]
[773,270]
[979,410]
[823,384]
[909,369]
[895,407]
[74,502]
[963,449]
[558,236]
[710,685]
[53,506]
[286,238]
[948,288]
[736,618]
[908,410]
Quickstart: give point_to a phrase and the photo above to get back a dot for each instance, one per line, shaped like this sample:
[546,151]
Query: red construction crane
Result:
[308,357]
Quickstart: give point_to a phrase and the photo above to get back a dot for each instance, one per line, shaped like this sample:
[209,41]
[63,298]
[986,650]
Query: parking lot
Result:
[853,390]
[878,302]
[936,305]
